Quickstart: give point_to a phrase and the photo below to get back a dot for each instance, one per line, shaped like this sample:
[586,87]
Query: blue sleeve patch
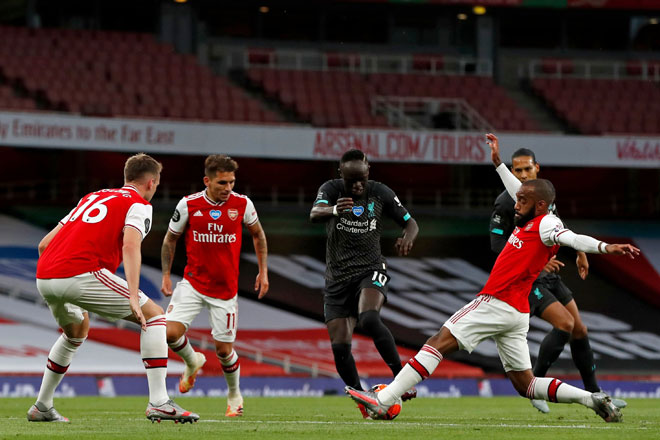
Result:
[497,231]
[321,201]
[406,217]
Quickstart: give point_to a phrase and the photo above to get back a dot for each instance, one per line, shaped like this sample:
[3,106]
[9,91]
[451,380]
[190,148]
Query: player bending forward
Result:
[213,222]
[501,311]
[76,274]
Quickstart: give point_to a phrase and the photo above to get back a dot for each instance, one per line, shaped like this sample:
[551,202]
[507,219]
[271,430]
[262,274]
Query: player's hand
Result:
[403,246]
[582,265]
[494,145]
[137,311]
[622,249]
[166,286]
[344,204]
[261,284]
[553,265]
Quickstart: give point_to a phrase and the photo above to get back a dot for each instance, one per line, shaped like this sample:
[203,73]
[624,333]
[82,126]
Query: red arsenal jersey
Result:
[92,234]
[521,261]
[213,240]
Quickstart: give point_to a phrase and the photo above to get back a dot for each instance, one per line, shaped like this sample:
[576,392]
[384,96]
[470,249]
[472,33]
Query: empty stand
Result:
[598,106]
[344,99]
[118,74]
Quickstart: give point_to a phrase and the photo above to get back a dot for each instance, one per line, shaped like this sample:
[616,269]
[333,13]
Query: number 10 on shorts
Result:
[231,320]
[379,279]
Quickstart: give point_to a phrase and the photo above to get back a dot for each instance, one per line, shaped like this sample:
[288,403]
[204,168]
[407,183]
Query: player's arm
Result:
[500,224]
[43,244]
[553,232]
[405,243]
[261,284]
[48,238]
[132,257]
[328,204]
[167,251]
[176,227]
[511,182]
[393,207]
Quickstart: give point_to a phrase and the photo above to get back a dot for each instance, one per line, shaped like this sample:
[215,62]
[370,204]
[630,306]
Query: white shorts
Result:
[187,302]
[100,292]
[487,317]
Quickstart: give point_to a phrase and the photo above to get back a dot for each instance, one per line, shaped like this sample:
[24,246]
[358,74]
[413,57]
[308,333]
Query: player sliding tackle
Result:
[501,309]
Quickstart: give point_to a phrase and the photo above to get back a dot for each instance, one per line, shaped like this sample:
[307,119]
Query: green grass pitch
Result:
[331,418]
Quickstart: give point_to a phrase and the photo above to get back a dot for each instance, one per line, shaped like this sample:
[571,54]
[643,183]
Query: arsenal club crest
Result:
[232,213]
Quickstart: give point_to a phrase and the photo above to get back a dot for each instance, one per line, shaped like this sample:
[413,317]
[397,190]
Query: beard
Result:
[522,220]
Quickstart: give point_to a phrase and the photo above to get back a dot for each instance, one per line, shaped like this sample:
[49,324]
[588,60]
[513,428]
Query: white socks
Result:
[153,348]
[184,349]
[231,366]
[59,359]
[416,370]
[554,390]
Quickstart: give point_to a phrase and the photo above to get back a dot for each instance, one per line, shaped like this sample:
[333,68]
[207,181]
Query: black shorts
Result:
[341,298]
[545,291]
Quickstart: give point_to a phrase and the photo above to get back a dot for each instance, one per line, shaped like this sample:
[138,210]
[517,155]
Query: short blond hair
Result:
[139,165]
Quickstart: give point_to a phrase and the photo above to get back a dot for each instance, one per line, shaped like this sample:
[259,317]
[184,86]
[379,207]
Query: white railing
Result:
[231,57]
[561,68]
[405,112]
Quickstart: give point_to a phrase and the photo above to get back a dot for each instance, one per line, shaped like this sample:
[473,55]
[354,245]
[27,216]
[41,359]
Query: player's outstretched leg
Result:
[170,411]
[541,405]
[369,401]
[231,368]
[417,369]
[605,408]
[39,413]
[554,390]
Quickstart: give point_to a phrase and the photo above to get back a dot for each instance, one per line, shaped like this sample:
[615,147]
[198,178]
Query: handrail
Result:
[232,57]
[395,109]
[643,70]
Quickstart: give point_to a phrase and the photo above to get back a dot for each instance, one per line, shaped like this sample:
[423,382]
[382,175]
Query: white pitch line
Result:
[375,423]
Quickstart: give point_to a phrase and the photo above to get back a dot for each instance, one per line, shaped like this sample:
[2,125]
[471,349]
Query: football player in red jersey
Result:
[76,274]
[212,221]
[501,311]
[549,298]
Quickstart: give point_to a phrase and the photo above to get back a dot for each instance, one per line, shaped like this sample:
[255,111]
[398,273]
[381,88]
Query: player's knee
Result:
[579,331]
[223,352]
[172,335]
[566,323]
[369,320]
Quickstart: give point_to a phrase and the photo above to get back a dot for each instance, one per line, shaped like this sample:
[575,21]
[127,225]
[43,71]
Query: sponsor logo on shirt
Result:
[232,214]
[370,208]
[147,225]
[214,235]
[358,210]
[354,226]
[215,214]
[515,241]
[529,226]
[176,216]
[198,214]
